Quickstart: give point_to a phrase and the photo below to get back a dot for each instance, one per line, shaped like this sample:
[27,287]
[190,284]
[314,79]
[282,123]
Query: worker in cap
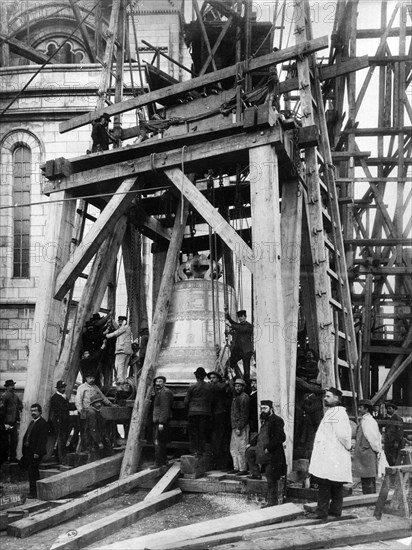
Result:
[162,413]
[123,351]
[265,451]
[368,448]
[241,347]
[198,401]
[330,462]
[239,418]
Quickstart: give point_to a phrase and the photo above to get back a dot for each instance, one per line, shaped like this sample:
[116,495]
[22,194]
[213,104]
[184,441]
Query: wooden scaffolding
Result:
[299,195]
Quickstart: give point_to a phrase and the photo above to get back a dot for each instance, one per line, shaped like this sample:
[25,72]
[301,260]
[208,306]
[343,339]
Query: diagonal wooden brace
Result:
[212,216]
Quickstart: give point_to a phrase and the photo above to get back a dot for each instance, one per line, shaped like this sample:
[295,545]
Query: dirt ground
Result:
[193,509]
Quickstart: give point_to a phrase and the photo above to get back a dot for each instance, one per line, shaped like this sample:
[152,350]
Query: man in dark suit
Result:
[267,449]
[35,445]
[162,411]
[60,418]
[393,433]
[242,345]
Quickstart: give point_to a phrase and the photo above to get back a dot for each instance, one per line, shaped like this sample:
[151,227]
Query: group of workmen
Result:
[222,416]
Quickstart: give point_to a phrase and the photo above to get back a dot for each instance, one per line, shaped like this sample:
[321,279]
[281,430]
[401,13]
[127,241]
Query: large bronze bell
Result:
[190,334]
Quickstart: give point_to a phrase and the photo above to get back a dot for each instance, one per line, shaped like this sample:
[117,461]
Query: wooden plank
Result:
[358,500]
[144,389]
[77,479]
[165,482]
[226,524]
[354,531]
[245,534]
[34,524]
[98,233]
[225,231]
[196,157]
[20,48]
[97,530]
[199,82]
[291,237]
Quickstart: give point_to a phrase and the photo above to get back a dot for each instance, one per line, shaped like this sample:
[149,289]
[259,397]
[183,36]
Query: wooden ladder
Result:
[333,310]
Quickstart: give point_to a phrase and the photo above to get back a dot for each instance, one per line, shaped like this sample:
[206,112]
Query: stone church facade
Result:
[34,100]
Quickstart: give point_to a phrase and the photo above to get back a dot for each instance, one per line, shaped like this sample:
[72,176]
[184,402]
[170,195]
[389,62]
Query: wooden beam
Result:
[221,151]
[99,277]
[20,48]
[379,242]
[269,318]
[101,528]
[49,313]
[100,230]
[212,216]
[331,535]
[107,60]
[165,482]
[199,82]
[26,527]
[348,502]
[77,479]
[291,237]
[255,518]
[144,389]
[83,31]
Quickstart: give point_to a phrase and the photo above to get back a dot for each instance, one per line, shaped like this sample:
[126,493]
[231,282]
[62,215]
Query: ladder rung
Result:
[327,215]
[320,157]
[336,304]
[343,363]
[331,246]
[83,276]
[334,275]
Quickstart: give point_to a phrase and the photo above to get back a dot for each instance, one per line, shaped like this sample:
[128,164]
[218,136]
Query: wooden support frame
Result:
[269,317]
[198,82]
[141,404]
[92,296]
[212,216]
[291,238]
[101,229]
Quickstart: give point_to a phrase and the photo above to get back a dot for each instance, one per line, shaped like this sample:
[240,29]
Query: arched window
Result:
[21,196]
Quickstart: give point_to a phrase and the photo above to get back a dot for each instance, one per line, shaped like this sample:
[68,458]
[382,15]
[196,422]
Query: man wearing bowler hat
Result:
[34,446]
[12,407]
[198,403]
[162,411]
[242,344]
[368,448]
[60,418]
[393,433]
[266,449]
[330,462]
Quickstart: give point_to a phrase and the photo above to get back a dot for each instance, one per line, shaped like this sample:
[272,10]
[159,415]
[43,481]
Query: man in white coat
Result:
[123,335]
[330,463]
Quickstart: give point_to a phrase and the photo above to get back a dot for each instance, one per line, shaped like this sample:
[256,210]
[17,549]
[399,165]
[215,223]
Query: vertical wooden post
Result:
[131,262]
[144,389]
[48,315]
[291,229]
[269,320]
[92,296]
[159,260]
